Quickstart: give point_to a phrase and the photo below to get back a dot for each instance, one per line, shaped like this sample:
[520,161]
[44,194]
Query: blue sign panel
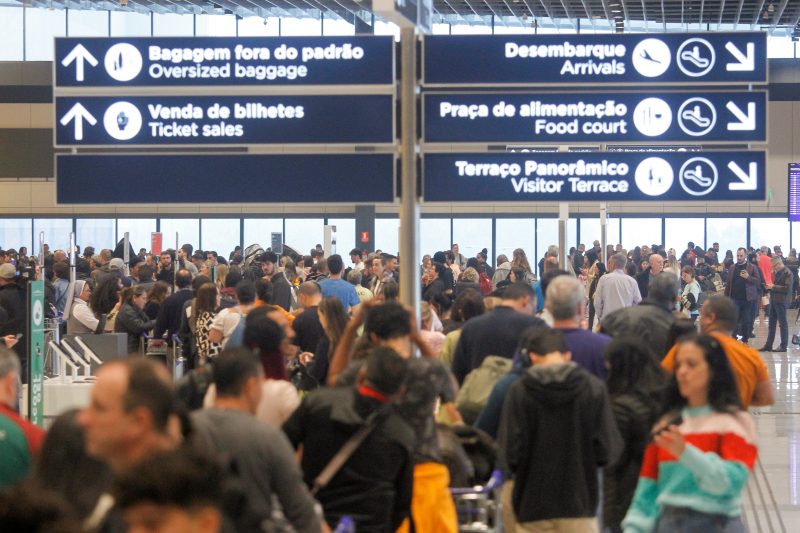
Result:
[198,61]
[794,192]
[595,117]
[193,179]
[576,177]
[599,58]
[188,120]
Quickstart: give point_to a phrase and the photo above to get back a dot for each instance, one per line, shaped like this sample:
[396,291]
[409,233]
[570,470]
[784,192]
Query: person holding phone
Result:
[742,289]
[702,452]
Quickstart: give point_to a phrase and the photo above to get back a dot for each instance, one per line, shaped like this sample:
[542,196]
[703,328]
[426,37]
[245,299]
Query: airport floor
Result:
[771,502]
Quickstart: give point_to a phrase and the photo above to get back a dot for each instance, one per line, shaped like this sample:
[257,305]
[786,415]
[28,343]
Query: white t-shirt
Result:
[226,321]
[279,399]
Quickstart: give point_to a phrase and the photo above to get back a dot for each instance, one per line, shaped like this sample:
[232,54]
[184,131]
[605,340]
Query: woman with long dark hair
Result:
[333,318]
[702,452]
[206,305]
[635,384]
[595,273]
[158,293]
[131,318]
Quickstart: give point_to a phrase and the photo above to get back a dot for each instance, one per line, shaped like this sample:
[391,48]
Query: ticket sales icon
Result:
[122,121]
[698,176]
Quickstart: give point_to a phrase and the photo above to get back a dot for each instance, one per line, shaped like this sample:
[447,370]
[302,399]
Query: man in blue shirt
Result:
[336,286]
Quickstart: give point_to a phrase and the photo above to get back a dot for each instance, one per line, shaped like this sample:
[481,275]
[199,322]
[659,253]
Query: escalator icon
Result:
[696,57]
[697,116]
[698,176]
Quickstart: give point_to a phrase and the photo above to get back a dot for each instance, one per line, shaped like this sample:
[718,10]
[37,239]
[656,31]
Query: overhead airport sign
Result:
[576,177]
[492,60]
[197,120]
[224,178]
[595,117]
[203,61]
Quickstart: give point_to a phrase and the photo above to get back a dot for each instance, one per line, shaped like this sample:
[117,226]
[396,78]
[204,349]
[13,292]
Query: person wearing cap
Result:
[88,252]
[281,289]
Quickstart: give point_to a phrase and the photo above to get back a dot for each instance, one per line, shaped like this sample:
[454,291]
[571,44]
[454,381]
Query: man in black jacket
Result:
[13,300]
[651,320]
[281,290]
[381,467]
[497,332]
[554,415]
[169,315]
[643,279]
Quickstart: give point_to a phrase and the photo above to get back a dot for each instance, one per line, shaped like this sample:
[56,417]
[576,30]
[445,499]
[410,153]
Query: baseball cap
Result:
[8,271]
[116,264]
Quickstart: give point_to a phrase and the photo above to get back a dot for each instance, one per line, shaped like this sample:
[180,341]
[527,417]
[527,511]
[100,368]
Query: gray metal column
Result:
[563,217]
[603,231]
[409,203]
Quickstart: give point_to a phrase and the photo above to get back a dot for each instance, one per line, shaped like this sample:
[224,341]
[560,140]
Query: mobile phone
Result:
[18,336]
[675,421]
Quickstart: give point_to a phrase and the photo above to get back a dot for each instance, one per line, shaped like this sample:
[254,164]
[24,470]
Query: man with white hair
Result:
[616,290]
[566,303]
[656,267]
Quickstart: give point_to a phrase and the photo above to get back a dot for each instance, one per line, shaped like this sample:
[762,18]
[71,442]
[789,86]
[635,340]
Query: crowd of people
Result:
[610,387]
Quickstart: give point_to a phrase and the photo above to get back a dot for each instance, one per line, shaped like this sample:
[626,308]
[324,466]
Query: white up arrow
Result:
[744,62]
[79,54]
[749,180]
[747,121]
[79,114]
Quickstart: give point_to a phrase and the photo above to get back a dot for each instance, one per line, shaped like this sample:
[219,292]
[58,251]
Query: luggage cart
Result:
[171,356]
[479,508]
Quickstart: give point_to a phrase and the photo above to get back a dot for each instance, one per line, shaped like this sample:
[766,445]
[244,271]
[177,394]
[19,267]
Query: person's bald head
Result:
[309,294]
[656,263]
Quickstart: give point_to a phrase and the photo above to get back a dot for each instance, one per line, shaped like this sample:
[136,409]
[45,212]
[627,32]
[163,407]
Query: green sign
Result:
[36,354]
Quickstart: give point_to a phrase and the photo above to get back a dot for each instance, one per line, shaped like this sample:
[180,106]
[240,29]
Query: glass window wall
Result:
[56,232]
[434,236]
[513,233]
[220,235]
[345,236]
[259,231]
[472,236]
[730,233]
[387,234]
[546,234]
[139,232]
[680,231]
[17,232]
[130,24]
[188,230]
[11,38]
[303,234]
[769,232]
[172,25]
[41,27]
[96,232]
[86,23]
[640,231]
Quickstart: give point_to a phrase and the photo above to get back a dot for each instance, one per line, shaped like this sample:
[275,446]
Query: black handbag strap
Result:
[348,449]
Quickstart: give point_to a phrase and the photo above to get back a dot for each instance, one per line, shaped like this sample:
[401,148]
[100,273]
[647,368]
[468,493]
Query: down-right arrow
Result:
[749,180]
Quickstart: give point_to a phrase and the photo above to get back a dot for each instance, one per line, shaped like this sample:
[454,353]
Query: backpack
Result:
[478,385]
[486,284]
[251,253]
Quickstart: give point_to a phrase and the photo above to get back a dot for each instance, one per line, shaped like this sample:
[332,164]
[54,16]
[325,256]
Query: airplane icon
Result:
[646,55]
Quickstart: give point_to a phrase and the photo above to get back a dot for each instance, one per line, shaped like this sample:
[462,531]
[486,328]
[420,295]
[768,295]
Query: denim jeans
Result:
[777,314]
[683,520]
[745,325]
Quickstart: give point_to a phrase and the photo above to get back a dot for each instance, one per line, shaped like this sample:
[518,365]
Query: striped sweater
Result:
[708,477]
